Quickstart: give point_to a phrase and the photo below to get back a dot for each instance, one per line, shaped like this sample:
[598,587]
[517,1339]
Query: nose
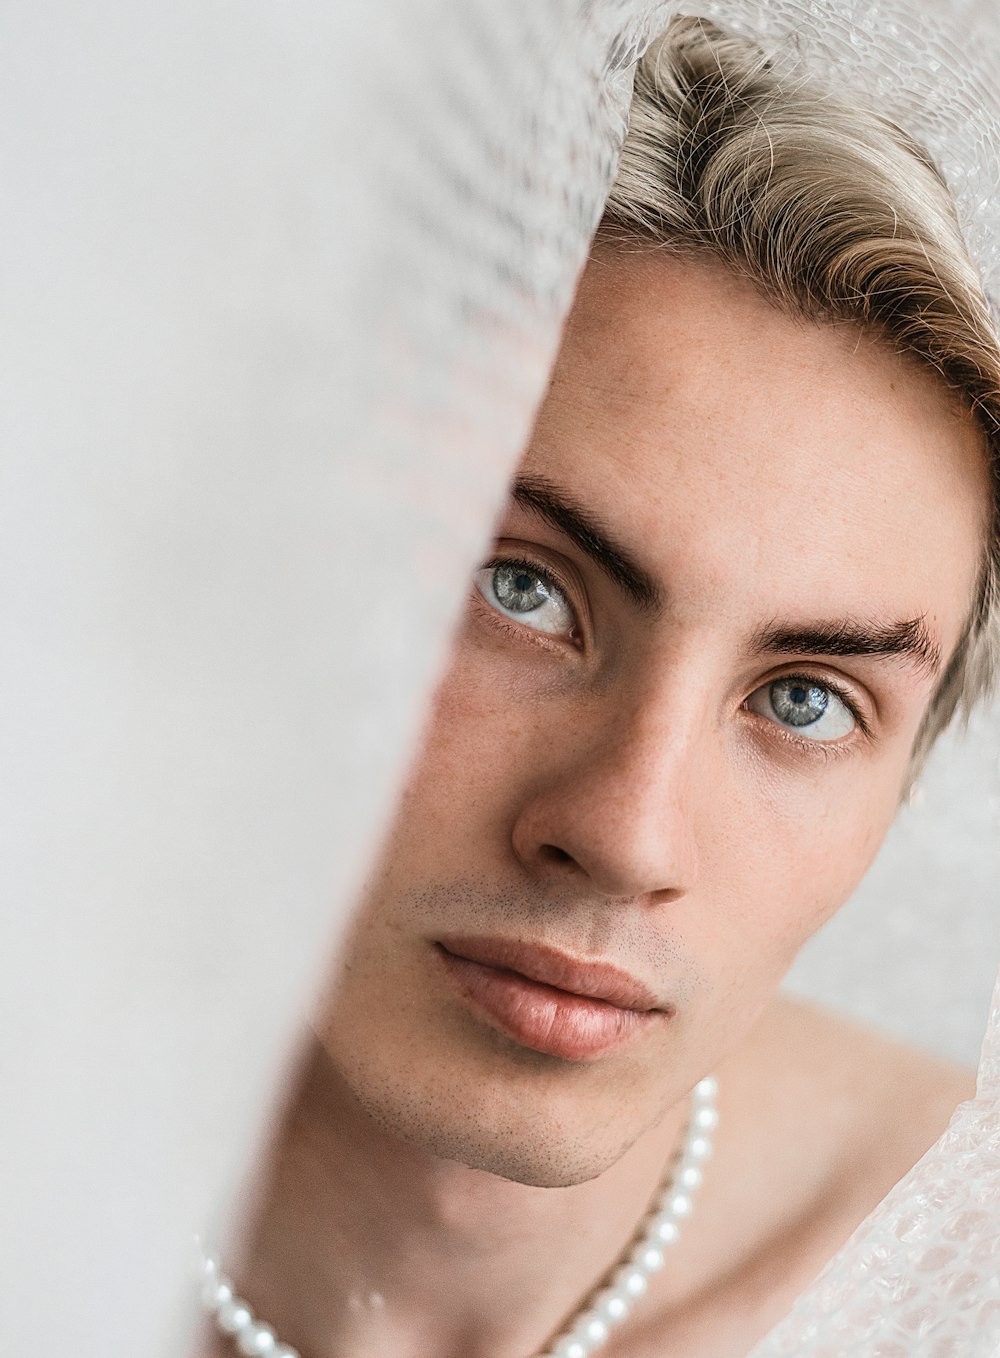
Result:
[615,809]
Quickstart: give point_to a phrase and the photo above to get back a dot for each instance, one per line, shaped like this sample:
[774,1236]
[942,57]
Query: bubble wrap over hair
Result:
[934,69]
[288,280]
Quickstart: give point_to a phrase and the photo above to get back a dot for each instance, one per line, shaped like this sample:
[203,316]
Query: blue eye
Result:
[805,706]
[521,591]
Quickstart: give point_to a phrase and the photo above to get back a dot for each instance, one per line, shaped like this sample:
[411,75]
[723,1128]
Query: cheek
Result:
[791,854]
[471,760]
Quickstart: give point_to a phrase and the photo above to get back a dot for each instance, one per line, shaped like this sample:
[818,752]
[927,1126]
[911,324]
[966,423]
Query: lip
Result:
[548,1001]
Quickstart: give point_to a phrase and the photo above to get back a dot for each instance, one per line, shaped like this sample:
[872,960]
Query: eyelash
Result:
[526,564]
[825,748]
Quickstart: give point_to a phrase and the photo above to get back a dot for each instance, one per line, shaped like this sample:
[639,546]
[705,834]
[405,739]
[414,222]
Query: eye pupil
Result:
[518,589]
[798,704]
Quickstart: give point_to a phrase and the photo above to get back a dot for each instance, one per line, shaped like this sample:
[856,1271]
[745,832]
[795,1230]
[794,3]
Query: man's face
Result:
[674,751]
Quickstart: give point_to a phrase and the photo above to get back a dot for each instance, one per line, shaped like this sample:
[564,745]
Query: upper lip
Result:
[540,962]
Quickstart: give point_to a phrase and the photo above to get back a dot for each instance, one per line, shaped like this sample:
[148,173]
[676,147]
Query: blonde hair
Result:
[832,212]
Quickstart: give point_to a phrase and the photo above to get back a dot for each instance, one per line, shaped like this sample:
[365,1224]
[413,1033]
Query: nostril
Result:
[551,853]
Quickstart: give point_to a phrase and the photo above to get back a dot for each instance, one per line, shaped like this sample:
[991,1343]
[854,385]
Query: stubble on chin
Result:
[444,1084]
[514,1143]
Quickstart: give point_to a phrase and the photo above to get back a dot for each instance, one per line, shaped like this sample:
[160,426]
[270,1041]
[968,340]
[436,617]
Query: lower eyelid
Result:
[550,642]
[826,748]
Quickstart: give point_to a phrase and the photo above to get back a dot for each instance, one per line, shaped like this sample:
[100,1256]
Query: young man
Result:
[739,581]
[721,510]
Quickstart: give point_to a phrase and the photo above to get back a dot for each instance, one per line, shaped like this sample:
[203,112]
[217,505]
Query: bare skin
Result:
[610,777]
[845,1114]
[819,1119]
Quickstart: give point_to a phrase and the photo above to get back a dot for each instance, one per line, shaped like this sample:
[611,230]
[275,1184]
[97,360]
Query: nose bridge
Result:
[650,740]
[621,808]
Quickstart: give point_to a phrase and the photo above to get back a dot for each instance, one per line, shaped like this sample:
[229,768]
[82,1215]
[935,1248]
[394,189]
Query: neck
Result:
[359,1244]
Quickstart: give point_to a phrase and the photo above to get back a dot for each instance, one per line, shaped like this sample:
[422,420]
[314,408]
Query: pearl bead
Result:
[216,1293]
[256,1340]
[570,1347]
[706,1119]
[631,1281]
[699,1148]
[612,1306]
[593,1324]
[665,1231]
[233,1316]
[690,1177]
[594,1331]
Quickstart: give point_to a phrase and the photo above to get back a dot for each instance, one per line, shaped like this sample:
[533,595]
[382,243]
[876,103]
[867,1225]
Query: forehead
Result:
[761,461]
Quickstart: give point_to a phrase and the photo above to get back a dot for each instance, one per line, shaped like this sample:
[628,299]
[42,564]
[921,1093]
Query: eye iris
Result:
[518,589]
[797,703]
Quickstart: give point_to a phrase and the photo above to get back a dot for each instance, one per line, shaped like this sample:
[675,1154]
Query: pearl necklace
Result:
[590,1327]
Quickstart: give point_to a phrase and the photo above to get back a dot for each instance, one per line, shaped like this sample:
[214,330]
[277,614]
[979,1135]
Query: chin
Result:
[516,1138]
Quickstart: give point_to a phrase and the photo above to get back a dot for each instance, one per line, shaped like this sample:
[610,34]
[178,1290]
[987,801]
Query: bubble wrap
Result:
[287,283]
[920,1278]
[933,68]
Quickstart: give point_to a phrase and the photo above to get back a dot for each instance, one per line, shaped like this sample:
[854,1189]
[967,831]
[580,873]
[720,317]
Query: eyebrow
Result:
[910,639]
[562,512]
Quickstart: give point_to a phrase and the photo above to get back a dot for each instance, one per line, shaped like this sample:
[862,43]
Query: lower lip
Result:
[543,1018]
